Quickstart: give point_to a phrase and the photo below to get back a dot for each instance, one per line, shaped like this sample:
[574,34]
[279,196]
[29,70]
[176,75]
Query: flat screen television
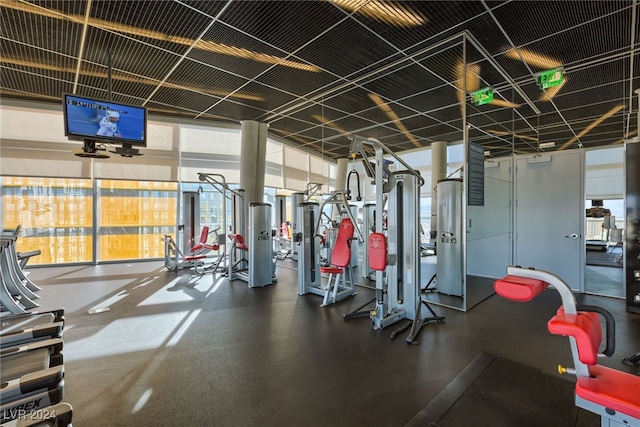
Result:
[104,121]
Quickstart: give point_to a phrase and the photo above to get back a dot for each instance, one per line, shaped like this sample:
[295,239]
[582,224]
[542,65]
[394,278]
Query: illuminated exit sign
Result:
[550,78]
[482,96]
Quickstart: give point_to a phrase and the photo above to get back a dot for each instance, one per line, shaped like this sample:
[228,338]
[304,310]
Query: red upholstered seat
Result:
[332,270]
[194,257]
[519,289]
[377,251]
[202,244]
[612,389]
[239,241]
[341,254]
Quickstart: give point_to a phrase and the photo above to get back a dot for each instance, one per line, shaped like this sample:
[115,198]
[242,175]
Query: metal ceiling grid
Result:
[35,61]
[298,82]
[527,21]
[315,70]
[39,26]
[201,77]
[443,18]
[334,50]
[286,25]
[174,111]
[240,111]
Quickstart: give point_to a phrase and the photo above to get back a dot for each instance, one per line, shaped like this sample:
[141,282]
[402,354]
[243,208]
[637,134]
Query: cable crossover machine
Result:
[394,256]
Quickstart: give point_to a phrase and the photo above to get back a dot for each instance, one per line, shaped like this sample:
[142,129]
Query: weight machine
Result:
[296,199]
[309,270]
[260,270]
[175,260]
[282,240]
[194,252]
[395,257]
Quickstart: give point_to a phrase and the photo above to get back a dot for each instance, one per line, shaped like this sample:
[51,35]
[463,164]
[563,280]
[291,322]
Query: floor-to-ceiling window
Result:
[55,216]
[133,218]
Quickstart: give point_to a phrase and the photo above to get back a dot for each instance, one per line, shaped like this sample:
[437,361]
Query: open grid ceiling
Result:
[318,71]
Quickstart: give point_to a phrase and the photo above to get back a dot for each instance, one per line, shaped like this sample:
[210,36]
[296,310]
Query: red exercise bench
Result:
[612,394]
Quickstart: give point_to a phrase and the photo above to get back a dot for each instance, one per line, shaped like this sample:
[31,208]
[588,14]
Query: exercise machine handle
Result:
[610,326]
[352,171]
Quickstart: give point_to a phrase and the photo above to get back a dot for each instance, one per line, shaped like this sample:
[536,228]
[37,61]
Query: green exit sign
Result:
[482,96]
[550,78]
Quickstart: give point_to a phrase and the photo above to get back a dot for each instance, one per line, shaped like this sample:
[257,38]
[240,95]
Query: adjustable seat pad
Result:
[377,251]
[202,244]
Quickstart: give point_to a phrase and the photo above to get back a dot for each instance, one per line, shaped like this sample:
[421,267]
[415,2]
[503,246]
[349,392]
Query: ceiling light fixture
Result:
[127,78]
[394,118]
[628,135]
[549,93]
[388,12]
[208,46]
[505,133]
[532,58]
[471,80]
[331,124]
[592,125]
[503,103]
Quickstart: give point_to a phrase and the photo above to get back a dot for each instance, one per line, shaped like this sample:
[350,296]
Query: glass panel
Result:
[55,214]
[134,216]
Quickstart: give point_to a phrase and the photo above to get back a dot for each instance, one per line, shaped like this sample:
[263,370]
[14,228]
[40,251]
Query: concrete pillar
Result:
[438,172]
[341,184]
[253,153]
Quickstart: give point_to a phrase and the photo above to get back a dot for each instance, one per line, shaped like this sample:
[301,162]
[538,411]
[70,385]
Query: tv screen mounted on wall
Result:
[104,121]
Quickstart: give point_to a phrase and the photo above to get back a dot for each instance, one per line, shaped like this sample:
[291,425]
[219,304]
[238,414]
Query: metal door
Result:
[549,215]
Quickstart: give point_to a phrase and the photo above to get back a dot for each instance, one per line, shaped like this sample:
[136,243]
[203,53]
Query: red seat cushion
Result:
[331,270]
[377,251]
[612,389]
[204,236]
[194,257]
[584,327]
[521,289]
[239,240]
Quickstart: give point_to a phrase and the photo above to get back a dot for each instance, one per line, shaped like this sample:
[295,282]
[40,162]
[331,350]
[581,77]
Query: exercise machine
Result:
[309,269]
[175,260]
[15,293]
[394,256]
[610,393]
[296,199]
[32,370]
[450,229]
[261,263]
[283,242]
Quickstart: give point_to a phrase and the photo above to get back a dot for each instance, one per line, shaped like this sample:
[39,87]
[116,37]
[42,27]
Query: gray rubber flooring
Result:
[181,350]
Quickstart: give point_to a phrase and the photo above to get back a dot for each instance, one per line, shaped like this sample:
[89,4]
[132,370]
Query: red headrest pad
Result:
[521,289]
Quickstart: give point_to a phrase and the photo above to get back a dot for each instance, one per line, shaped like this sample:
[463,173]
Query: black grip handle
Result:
[610,327]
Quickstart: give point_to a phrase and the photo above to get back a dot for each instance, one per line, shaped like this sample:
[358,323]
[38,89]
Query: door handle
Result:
[572,236]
